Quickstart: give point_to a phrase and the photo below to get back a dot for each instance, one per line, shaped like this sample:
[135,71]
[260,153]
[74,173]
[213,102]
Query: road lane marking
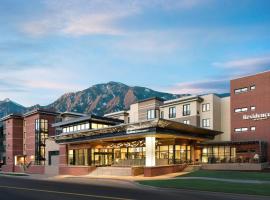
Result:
[66,193]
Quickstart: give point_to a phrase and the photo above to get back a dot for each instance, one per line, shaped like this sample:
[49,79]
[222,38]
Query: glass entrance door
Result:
[103,159]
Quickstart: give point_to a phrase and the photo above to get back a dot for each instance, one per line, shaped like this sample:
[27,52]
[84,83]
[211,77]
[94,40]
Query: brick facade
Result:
[258,97]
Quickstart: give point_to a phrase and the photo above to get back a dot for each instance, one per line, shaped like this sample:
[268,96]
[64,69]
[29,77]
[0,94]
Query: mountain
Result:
[105,98]
[98,99]
[7,106]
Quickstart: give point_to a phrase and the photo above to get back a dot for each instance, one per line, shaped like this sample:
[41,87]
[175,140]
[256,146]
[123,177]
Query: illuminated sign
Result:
[256,116]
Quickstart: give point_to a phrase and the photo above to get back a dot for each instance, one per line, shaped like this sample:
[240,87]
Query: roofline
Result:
[246,76]
[13,115]
[73,113]
[86,118]
[151,98]
[117,113]
[155,123]
[40,111]
[174,101]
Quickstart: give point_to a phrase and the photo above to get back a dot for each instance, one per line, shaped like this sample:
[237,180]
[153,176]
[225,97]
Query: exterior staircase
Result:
[112,171]
[192,168]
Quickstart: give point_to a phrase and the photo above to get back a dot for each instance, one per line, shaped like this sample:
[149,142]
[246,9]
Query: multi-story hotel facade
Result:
[25,137]
[250,109]
[153,137]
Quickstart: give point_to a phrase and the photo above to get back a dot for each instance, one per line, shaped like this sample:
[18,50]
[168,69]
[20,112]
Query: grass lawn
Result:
[263,176]
[214,186]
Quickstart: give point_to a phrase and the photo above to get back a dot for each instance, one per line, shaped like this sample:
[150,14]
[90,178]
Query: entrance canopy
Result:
[160,128]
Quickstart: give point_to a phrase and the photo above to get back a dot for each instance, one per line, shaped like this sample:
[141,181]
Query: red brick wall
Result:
[14,141]
[76,170]
[63,155]
[161,170]
[260,97]
[30,131]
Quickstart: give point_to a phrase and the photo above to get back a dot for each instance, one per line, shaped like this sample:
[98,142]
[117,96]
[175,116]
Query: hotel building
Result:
[152,133]
[153,137]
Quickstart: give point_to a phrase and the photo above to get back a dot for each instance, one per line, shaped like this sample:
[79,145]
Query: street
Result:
[12,188]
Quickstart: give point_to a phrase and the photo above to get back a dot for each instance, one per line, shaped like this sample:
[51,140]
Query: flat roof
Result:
[116,113]
[41,111]
[182,99]
[87,118]
[156,126]
[73,114]
[11,116]
[151,98]
[250,75]
[233,142]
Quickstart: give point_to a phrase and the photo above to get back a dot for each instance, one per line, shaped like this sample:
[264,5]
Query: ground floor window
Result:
[78,157]
[129,156]
[218,154]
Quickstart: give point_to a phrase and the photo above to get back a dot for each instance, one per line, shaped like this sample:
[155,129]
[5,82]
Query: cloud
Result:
[80,17]
[247,64]
[37,85]
[92,17]
[200,87]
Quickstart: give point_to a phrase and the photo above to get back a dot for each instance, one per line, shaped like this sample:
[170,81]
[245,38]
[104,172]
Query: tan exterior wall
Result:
[134,113]
[144,106]
[225,119]
[51,145]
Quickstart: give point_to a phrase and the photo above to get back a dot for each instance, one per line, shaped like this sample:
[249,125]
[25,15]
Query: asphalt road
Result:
[14,188]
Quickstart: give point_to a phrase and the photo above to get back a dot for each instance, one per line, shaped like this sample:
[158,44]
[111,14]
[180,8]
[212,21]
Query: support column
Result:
[150,150]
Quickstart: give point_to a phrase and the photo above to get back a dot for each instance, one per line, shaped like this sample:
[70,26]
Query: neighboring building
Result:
[25,139]
[2,145]
[206,111]
[250,108]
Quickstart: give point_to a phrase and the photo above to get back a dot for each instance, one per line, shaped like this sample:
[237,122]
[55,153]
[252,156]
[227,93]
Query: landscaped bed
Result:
[213,186]
[219,185]
[262,176]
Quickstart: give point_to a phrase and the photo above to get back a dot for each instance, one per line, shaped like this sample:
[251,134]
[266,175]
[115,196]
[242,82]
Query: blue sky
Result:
[50,47]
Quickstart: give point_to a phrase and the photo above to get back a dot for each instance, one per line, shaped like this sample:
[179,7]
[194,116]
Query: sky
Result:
[51,47]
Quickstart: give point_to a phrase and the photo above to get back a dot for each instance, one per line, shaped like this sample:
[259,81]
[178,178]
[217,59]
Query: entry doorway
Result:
[103,159]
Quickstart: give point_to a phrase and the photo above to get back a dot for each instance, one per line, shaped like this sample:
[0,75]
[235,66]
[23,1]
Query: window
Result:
[186,121]
[237,110]
[206,107]
[253,128]
[186,110]
[237,130]
[162,114]
[206,123]
[253,108]
[172,112]
[240,90]
[151,114]
[253,87]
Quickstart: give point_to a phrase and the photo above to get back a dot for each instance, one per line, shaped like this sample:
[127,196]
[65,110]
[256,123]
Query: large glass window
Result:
[41,134]
[78,157]
[218,154]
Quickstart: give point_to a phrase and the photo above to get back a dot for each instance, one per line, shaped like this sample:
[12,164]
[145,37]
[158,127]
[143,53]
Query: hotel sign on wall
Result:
[257,116]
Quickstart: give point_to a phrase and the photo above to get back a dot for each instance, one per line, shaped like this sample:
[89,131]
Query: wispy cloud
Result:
[39,81]
[200,87]
[91,17]
[248,64]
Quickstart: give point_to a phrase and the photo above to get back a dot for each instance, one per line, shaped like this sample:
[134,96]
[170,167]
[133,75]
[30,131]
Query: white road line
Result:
[66,193]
